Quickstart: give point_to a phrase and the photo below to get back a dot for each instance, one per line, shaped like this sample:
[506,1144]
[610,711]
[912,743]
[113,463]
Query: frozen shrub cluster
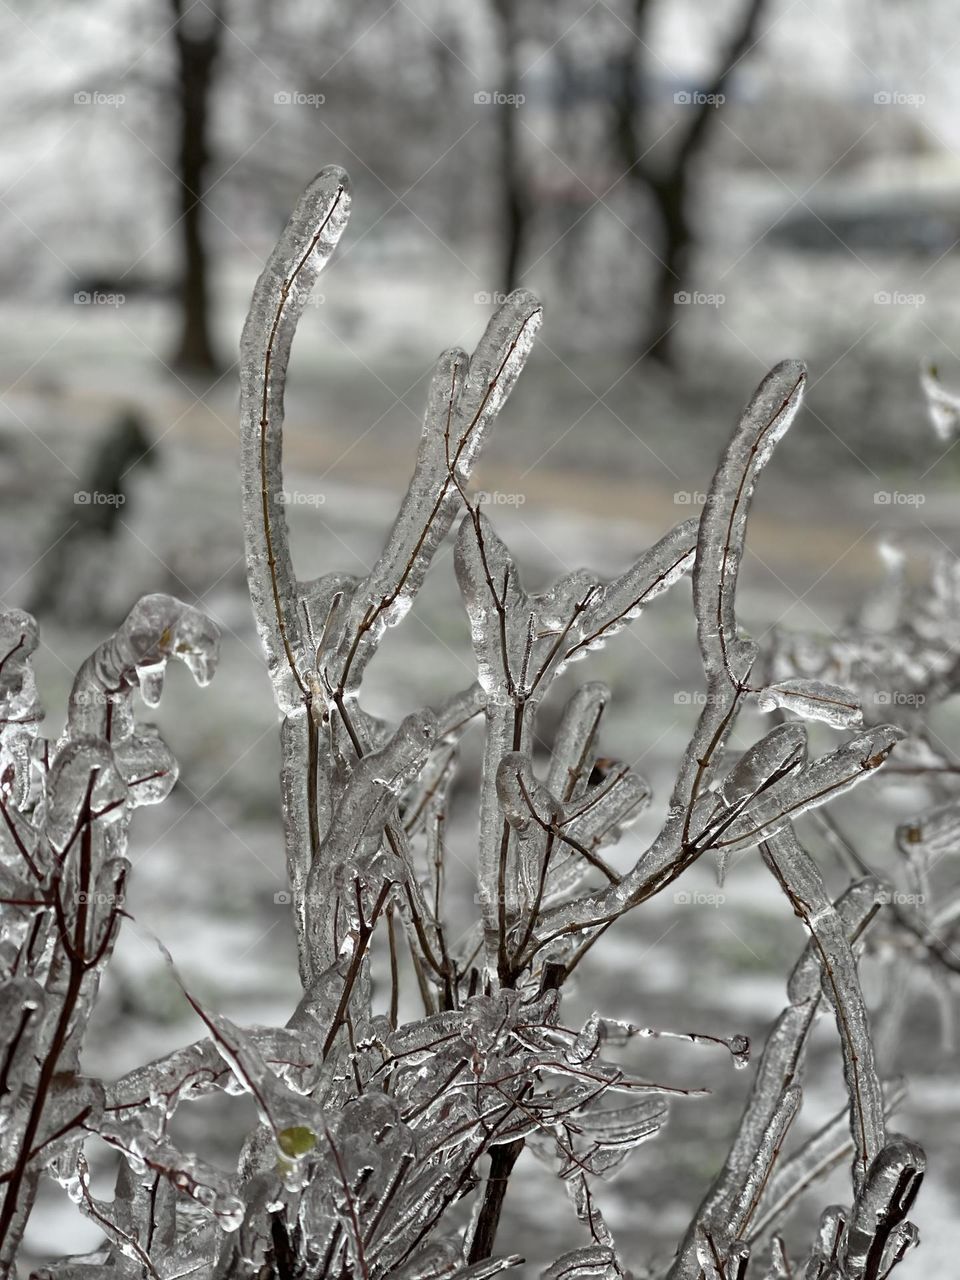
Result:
[384,1147]
[898,652]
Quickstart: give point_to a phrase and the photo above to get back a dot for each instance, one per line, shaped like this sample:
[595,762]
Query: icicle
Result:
[146,765]
[157,628]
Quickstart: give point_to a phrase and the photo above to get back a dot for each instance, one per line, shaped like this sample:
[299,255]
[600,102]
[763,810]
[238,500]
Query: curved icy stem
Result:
[279,297]
[801,881]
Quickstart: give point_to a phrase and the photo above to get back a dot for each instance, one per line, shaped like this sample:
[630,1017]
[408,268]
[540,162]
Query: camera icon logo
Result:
[483,98]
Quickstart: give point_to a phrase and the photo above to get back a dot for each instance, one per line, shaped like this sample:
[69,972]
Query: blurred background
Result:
[696,191]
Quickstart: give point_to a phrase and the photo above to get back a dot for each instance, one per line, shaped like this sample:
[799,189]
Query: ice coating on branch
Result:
[621,601]
[780,1065]
[66,811]
[279,297]
[573,746]
[874,1239]
[209,1188]
[814,700]
[146,765]
[375,1119]
[748,1199]
[366,802]
[20,709]
[591,1262]
[782,752]
[19,700]
[821,1152]
[800,879]
[829,776]
[463,400]
[855,908]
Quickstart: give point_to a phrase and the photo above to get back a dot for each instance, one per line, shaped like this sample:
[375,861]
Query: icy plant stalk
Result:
[371,1130]
[66,810]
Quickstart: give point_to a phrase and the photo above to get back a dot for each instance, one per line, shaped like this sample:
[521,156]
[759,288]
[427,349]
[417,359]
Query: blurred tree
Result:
[198,44]
[69,582]
[669,185]
[515,208]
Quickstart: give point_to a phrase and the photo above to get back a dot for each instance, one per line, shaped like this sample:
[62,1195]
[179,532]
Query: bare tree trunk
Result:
[196,64]
[515,210]
[669,188]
